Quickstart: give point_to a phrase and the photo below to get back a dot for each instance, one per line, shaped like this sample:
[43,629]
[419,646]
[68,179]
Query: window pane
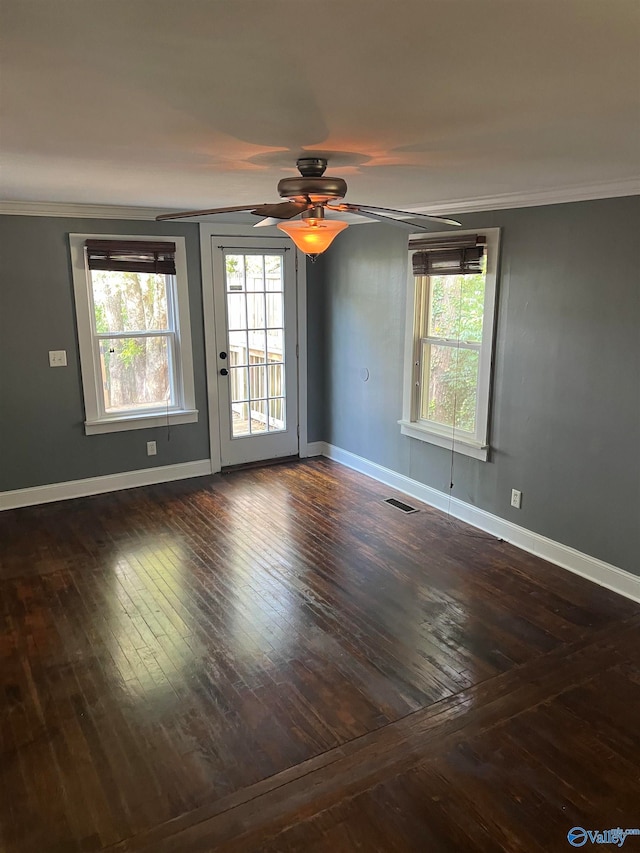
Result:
[129,301]
[256,342]
[449,386]
[240,419]
[239,384]
[273,272]
[276,415]
[135,373]
[258,379]
[234,268]
[257,348]
[236,316]
[274,309]
[275,343]
[276,385]
[238,352]
[255,310]
[456,307]
[258,416]
[255,272]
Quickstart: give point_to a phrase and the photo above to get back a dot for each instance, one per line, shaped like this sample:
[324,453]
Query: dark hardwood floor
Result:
[275,660]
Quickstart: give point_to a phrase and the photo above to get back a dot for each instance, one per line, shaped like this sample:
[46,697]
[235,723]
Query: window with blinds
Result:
[450,339]
[132,309]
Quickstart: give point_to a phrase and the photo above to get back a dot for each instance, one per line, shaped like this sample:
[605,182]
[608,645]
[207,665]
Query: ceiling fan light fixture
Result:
[313,234]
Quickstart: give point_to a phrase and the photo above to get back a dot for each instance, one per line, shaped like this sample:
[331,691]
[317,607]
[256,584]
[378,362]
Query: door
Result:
[256,335]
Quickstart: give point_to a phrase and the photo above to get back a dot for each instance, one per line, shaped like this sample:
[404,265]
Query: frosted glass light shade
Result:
[313,236]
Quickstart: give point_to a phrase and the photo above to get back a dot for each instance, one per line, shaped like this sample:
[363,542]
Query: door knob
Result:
[223,354]
[224,372]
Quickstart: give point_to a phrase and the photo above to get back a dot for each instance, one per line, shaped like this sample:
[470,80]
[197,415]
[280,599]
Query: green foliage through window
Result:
[454,316]
[135,369]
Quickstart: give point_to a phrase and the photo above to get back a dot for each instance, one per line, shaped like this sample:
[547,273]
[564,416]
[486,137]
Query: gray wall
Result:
[566,404]
[566,407]
[42,436]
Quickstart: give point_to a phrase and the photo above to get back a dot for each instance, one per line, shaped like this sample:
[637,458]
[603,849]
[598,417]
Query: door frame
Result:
[226,233]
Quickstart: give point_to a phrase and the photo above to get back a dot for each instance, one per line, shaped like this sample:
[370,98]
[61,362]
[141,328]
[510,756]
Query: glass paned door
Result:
[255,298]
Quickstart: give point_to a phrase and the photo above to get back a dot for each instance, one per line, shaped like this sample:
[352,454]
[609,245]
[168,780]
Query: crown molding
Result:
[502,201]
[535,198]
[79,211]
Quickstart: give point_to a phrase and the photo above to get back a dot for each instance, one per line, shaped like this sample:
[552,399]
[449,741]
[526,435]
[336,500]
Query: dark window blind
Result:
[132,256]
[453,255]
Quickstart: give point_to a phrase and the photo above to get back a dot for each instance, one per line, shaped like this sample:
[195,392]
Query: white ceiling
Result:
[202,103]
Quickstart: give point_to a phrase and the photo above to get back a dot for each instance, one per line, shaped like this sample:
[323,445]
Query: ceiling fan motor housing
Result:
[313,185]
[316,189]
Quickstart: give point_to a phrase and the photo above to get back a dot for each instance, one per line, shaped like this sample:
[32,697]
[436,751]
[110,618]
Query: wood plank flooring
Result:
[275,660]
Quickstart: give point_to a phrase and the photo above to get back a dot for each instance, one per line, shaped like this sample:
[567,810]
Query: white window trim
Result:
[96,422]
[476,446]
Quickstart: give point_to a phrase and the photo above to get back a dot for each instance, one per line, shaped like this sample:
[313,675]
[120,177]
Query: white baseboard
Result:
[98,485]
[314,448]
[595,570]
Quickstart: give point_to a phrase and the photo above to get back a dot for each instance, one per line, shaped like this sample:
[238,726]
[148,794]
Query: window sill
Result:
[127,422]
[466,446]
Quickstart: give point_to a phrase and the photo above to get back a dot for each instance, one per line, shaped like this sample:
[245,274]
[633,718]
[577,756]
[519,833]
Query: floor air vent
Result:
[399,505]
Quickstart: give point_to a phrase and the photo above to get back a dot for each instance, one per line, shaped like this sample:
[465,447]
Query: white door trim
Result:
[207,231]
[301,292]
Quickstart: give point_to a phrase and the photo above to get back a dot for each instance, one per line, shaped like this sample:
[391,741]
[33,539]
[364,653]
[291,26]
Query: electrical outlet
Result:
[152,449]
[516,498]
[57,358]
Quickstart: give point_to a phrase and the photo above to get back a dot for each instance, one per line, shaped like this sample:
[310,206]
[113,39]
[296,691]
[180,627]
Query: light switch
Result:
[57,358]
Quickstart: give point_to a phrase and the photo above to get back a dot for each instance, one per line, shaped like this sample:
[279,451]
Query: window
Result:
[255,318]
[449,339]
[132,307]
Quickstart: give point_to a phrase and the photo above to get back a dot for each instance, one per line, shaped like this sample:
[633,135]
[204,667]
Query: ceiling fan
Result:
[308,197]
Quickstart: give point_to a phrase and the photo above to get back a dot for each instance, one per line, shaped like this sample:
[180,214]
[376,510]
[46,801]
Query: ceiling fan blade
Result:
[444,219]
[283,210]
[354,208]
[380,217]
[270,220]
[206,212]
